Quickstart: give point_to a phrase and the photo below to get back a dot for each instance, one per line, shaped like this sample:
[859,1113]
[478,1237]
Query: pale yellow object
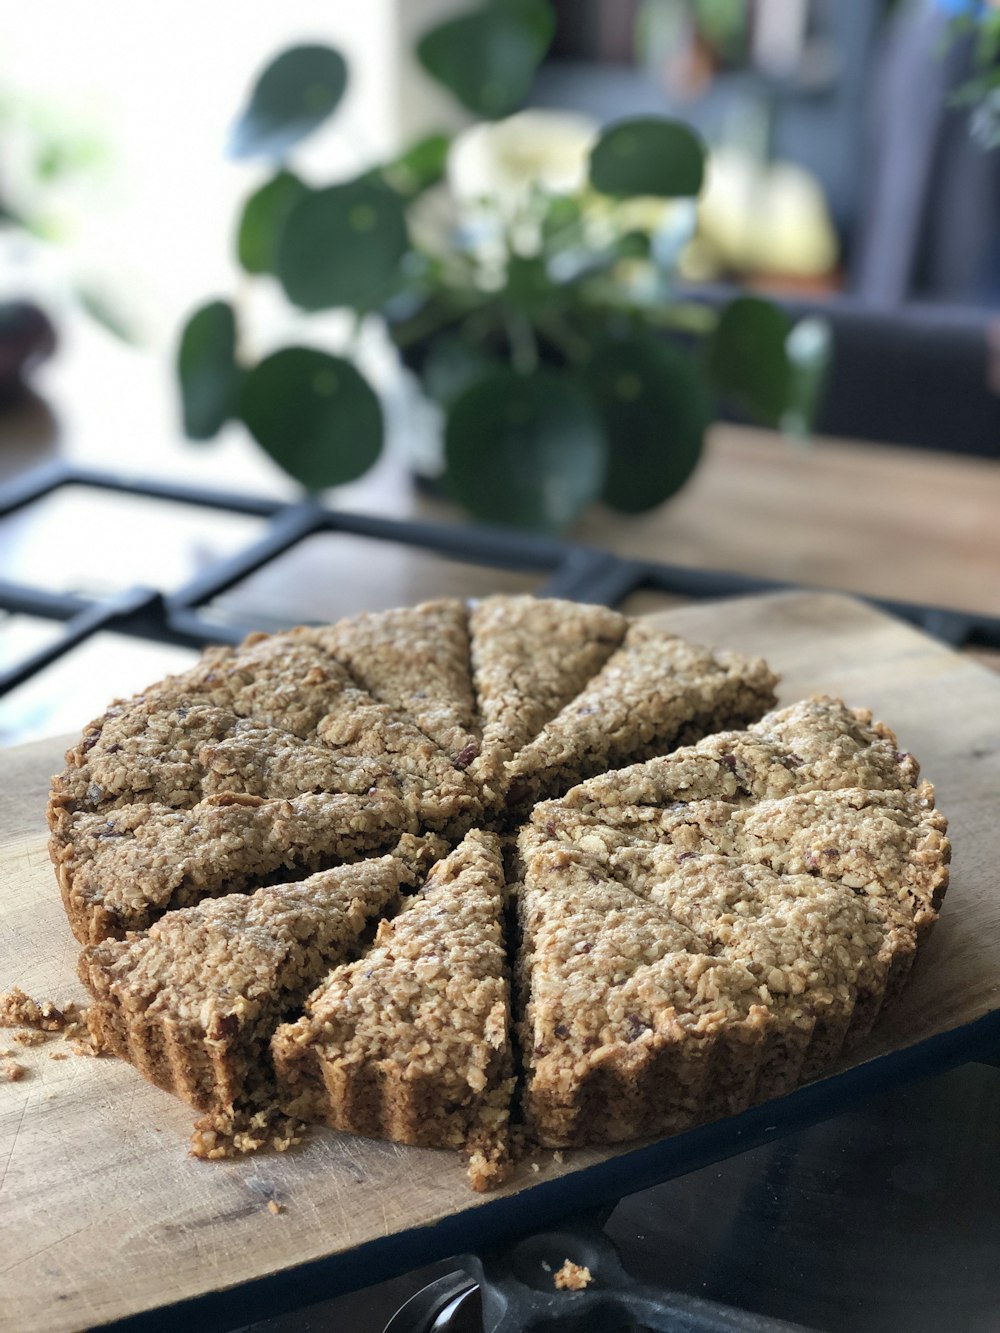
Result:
[770,218]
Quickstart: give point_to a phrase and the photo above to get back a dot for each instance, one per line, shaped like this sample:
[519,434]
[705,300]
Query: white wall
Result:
[160,85]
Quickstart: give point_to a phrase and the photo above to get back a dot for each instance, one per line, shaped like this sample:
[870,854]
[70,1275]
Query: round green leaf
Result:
[648,155]
[536,14]
[264,216]
[747,357]
[526,450]
[342,246]
[488,58]
[562,212]
[292,97]
[314,414]
[655,409]
[210,379]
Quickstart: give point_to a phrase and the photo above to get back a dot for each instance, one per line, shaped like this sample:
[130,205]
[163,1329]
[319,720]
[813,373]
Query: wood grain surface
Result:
[102,1213]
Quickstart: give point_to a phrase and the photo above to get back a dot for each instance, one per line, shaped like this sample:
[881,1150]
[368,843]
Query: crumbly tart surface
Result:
[531,656]
[412,1042]
[714,926]
[278,718]
[700,929]
[192,1002]
[646,1016]
[417,659]
[653,692]
[119,872]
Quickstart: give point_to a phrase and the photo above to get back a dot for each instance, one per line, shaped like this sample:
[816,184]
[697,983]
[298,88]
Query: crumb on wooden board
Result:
[19,1010]
[34,1023]
[30,1037]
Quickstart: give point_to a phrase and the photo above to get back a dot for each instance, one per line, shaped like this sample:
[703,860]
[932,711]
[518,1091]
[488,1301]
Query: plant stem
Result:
[424,323]
[686,316]
[555,327]
[523,343]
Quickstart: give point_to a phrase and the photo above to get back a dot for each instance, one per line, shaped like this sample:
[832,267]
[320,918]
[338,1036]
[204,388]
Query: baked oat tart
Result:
[280,717]
[412,1042]
[701,929]
[815,789]
[271,758]
[121,870]
[647,1014]
[654,692]
[530,657]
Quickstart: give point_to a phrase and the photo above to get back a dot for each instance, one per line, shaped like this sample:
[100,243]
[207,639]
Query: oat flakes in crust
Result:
[816,744]
[193,1001]
[120,871]
[530,656]
[652,693]
[813,789]
[641,1019]
[417,660]
[303,702]
[175,753]
[762,848]
[412,1042]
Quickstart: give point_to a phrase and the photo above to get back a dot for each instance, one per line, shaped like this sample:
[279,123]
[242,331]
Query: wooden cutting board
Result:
[103,1215]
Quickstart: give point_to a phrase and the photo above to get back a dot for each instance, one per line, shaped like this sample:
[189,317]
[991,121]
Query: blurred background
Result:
[848,186]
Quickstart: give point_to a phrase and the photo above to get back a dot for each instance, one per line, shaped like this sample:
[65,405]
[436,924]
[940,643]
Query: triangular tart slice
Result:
[649,1014]
[816,789]
[818,744]
[121,870]
[653,693]
[192,1003]
[530,656]
[412,1042]
[275,690]
[288,681]
[415,658]
[176,755]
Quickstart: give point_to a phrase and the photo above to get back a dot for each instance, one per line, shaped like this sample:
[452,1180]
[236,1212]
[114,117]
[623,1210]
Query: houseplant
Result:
[525,270]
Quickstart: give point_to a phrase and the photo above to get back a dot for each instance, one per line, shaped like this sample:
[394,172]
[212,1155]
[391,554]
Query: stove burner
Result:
[514,1290]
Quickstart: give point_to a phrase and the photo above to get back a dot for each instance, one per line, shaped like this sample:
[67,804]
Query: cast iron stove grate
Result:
[570,570]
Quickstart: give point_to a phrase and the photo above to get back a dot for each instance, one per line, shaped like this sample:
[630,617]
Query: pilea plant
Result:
[524,270]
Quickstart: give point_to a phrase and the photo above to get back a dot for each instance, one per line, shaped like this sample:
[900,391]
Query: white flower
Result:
[505,161]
